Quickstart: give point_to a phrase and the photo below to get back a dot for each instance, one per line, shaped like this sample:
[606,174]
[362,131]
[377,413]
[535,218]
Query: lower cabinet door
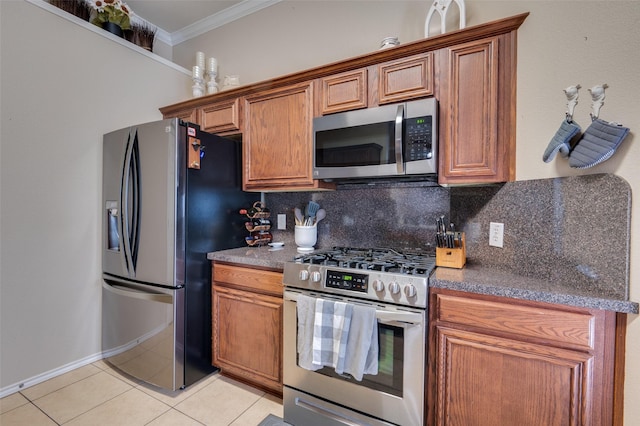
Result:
[494,381]
[247,336]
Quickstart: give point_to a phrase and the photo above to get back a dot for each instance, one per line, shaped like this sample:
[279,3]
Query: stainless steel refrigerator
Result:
[171,194]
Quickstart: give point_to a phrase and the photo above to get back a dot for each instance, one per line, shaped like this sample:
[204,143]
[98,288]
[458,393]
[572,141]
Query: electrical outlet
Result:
[282,221]
[496,234]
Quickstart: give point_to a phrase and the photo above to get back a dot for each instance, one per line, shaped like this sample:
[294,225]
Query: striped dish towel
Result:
[330,331]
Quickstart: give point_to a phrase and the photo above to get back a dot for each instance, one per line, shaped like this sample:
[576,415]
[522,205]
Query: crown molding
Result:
[219,19]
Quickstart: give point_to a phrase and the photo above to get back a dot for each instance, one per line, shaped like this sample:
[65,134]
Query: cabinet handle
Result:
[327,413]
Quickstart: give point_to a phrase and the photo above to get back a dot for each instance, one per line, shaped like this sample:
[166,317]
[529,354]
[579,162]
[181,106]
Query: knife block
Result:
[452,257]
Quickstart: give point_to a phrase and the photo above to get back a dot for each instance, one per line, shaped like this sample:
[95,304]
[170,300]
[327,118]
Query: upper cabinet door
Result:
[406,78]
[477,112]
[278,139]
[343,92]
[189,114]
[221,118]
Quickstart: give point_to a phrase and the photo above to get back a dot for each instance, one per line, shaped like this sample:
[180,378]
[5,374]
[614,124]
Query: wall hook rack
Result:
[597,99]
[572,99]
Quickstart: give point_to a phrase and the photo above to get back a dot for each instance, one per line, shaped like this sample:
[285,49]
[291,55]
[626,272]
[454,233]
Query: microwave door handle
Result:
[398,139]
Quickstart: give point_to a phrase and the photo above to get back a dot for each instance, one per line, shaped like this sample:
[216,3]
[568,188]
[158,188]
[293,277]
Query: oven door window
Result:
[390,363]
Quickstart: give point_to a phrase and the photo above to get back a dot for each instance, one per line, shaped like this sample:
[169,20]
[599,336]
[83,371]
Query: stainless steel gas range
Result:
[395,283]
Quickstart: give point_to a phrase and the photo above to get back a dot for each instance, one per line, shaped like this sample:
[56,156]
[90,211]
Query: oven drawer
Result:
[304,410]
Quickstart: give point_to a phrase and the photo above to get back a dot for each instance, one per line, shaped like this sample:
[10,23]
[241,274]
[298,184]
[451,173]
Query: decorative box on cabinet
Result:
[222,117]
[498,361]
[247,325]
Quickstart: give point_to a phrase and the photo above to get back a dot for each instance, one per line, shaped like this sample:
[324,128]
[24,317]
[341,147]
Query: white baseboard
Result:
[16,387]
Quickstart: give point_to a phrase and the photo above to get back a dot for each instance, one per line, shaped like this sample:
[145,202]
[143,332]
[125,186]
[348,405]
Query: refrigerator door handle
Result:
[137,293]
[130,202]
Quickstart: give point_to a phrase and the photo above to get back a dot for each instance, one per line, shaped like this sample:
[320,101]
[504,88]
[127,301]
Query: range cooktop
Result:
[407,262]
[394,276]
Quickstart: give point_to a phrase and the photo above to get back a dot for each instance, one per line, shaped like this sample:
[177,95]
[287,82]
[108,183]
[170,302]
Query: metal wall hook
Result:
[572,99]
[597,99]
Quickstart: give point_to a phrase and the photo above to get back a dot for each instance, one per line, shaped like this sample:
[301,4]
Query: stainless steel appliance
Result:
[387,141]
[160,219]
[396,284]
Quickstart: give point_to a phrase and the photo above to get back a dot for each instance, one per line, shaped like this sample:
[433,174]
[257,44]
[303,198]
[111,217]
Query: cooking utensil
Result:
[320,215]
[299,218]
[310,213]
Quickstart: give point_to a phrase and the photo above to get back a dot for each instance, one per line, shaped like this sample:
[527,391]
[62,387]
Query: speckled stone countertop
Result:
[265,257]
[489,281]
[472,278]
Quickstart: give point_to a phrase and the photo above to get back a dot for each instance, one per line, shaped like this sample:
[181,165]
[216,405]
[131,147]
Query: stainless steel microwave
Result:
[385,141]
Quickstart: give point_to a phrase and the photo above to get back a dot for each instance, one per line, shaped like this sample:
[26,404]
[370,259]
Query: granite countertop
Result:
[472,278]
[264,256]
[484,280]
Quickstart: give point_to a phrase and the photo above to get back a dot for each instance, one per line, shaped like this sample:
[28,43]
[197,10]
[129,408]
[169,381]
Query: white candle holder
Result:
[198,87]
[212,84]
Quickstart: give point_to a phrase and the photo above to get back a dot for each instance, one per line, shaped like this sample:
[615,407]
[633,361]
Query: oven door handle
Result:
[394,318]
[397,318]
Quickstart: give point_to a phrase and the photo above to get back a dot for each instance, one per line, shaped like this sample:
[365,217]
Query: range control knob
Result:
[410,291]
[303,275]
[316,276]
[378,285]
[394,287]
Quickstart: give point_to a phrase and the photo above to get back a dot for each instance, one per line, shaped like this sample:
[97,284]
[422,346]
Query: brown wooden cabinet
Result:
[190,115]
[498,361]
[277,142]
[477,111]
[471,72]
[247,325]
[405,79]
[221,118]
[343,92]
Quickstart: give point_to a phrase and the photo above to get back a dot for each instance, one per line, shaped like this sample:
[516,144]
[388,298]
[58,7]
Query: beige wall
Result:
[561,43]
[62,88]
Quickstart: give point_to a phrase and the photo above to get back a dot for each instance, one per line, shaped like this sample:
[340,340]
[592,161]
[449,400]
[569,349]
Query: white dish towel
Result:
[306,312]
[330,332]
[361,355]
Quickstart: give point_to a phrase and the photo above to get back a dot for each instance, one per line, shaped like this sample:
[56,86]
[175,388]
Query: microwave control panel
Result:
[418,133]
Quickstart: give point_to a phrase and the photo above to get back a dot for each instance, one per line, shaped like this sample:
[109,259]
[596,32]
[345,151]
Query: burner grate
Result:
[374,259]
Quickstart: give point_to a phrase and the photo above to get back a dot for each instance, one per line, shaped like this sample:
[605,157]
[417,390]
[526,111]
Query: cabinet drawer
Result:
[254,279]
[405,78]
[564,327]
[221,117]
[343,92]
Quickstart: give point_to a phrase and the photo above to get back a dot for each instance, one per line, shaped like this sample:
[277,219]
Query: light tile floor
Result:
[96,395]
